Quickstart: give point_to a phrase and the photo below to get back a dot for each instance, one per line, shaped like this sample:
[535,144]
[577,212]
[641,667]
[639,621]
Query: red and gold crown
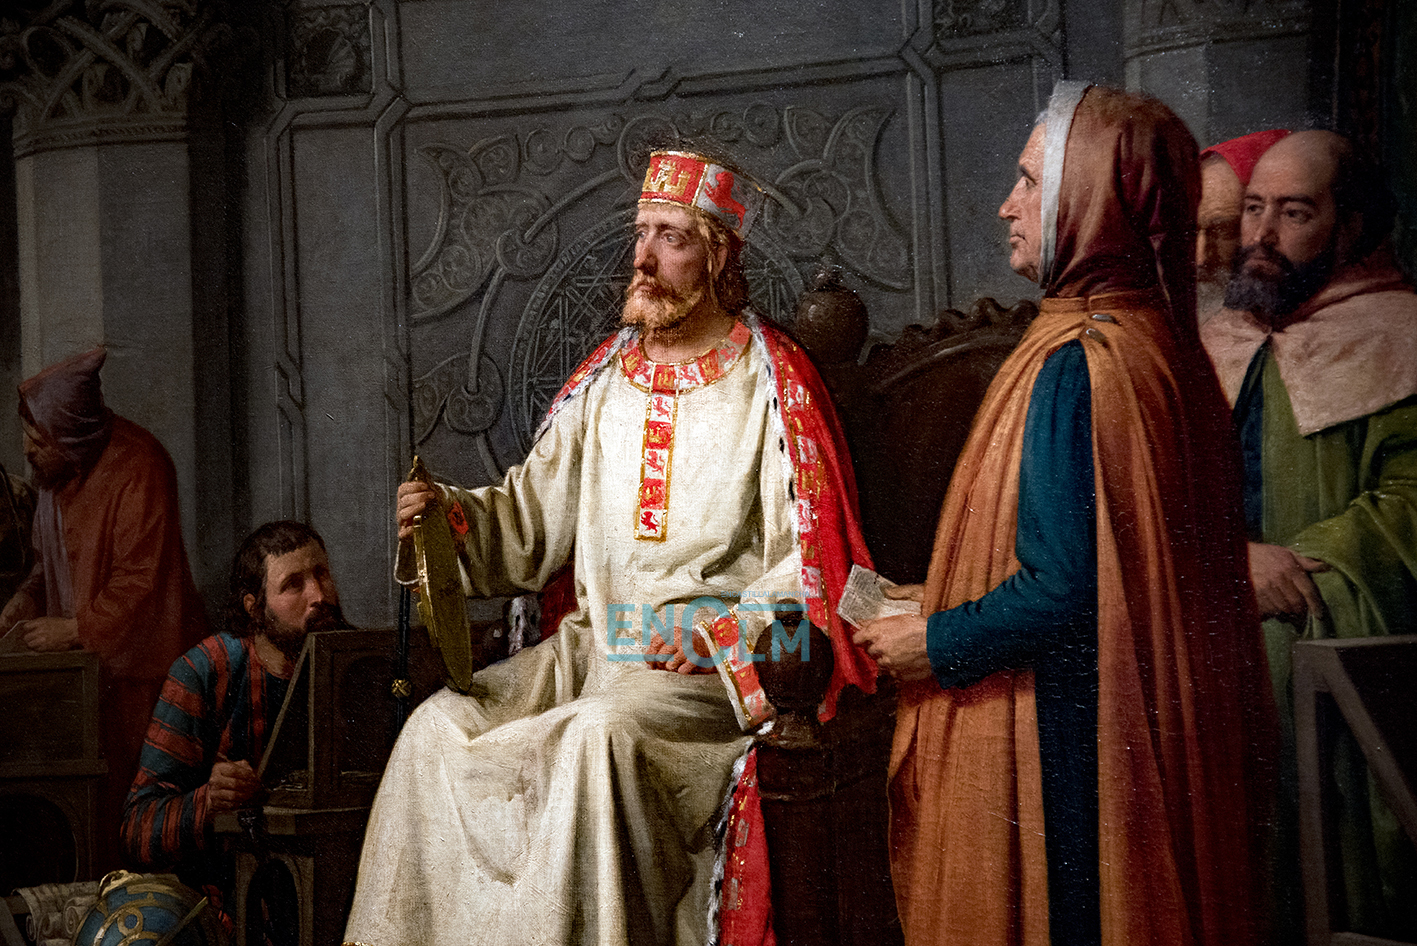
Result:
[692,180]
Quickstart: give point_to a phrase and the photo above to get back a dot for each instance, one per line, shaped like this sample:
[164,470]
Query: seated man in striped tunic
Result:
[220,702]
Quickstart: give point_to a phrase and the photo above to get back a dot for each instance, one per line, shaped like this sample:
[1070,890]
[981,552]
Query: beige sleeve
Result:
[521,530]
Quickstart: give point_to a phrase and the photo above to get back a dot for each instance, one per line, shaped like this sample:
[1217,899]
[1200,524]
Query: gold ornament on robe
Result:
[441,602]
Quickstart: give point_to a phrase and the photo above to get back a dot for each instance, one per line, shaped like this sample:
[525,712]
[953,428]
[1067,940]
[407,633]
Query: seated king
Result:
[693,475]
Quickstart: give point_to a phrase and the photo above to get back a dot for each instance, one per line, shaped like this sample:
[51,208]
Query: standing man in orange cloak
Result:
[1085,720]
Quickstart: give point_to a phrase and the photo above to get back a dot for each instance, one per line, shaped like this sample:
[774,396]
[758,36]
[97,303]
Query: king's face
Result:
[669,249]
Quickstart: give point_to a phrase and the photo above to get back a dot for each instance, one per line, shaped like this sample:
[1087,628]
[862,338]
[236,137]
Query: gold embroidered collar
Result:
[683,376]
[664,384]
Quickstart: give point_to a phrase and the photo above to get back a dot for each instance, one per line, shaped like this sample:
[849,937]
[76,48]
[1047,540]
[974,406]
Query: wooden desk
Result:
[299,853]
[50,767]
[304,858]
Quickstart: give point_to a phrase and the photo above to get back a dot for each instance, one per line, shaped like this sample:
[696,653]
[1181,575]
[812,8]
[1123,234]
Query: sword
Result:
[402,687]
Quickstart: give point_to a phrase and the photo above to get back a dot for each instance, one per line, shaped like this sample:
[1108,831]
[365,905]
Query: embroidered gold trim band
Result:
[665,383]
[692,180]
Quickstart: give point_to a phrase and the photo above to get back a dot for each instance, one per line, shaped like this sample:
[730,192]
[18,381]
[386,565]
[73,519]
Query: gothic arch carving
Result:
[118,69]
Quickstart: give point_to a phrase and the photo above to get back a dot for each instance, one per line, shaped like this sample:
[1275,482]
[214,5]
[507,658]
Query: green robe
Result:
[1346,495]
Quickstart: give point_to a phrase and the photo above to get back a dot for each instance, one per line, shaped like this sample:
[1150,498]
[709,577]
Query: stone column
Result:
[11,439]
[116,205]
[1227,67]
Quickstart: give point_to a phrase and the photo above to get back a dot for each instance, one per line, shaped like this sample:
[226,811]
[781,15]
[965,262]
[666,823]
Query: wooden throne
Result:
[907,410]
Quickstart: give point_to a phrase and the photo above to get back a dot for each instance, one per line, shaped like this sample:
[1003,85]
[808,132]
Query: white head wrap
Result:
[1067,95]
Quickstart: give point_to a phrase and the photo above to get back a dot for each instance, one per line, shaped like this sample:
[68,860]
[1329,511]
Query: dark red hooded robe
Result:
[120,543]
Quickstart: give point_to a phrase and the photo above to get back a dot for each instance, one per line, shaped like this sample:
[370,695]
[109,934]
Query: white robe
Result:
[568,798]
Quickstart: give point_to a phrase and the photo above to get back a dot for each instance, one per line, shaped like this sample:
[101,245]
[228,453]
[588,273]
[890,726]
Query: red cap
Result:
[1243,153]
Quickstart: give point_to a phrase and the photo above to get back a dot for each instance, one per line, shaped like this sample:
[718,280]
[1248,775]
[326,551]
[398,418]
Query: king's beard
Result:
[659,310]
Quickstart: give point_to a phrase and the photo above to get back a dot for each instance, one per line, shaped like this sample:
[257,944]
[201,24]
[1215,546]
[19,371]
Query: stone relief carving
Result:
[831,199]
[498,221]
[488,220]
[484,223]
[442,394]
[329,51]
[495,215]
[971,17]
[78,69]
[1158,24]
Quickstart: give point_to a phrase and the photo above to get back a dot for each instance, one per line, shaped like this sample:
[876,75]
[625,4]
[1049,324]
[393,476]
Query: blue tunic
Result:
[1044,617]
[217,695]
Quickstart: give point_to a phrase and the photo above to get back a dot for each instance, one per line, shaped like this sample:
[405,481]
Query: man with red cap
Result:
[1084,709]
[1225,172]
[111,573]
[691,466]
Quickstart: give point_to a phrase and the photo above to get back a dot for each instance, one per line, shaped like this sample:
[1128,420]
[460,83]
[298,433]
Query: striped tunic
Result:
[219,702]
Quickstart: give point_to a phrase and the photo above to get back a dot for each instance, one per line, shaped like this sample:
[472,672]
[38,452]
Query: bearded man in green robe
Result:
[1317,352]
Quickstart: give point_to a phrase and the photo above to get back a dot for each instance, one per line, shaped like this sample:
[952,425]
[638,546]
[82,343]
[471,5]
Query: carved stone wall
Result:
[114,71]
[438,208]
[1228,67]
[329,51]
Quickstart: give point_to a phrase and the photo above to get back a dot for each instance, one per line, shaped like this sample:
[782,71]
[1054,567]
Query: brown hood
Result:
[1127,204]
[65,401]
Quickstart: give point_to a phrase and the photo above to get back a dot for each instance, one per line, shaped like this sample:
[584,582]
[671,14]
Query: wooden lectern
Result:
[299,852]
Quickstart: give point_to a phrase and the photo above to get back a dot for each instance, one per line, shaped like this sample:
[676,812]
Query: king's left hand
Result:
[897,644]
[672,657]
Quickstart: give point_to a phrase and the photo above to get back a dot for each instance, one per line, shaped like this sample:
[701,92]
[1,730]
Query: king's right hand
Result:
[414,498]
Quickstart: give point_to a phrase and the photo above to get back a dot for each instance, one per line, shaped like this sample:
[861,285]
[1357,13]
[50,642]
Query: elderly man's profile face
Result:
[1023,209]
[1218,219]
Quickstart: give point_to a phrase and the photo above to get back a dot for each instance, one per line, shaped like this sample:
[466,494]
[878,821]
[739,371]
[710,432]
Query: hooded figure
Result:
[110,573]
[1090,760]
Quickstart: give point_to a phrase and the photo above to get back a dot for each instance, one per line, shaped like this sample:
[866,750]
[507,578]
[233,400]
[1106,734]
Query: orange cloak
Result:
[1185,719]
